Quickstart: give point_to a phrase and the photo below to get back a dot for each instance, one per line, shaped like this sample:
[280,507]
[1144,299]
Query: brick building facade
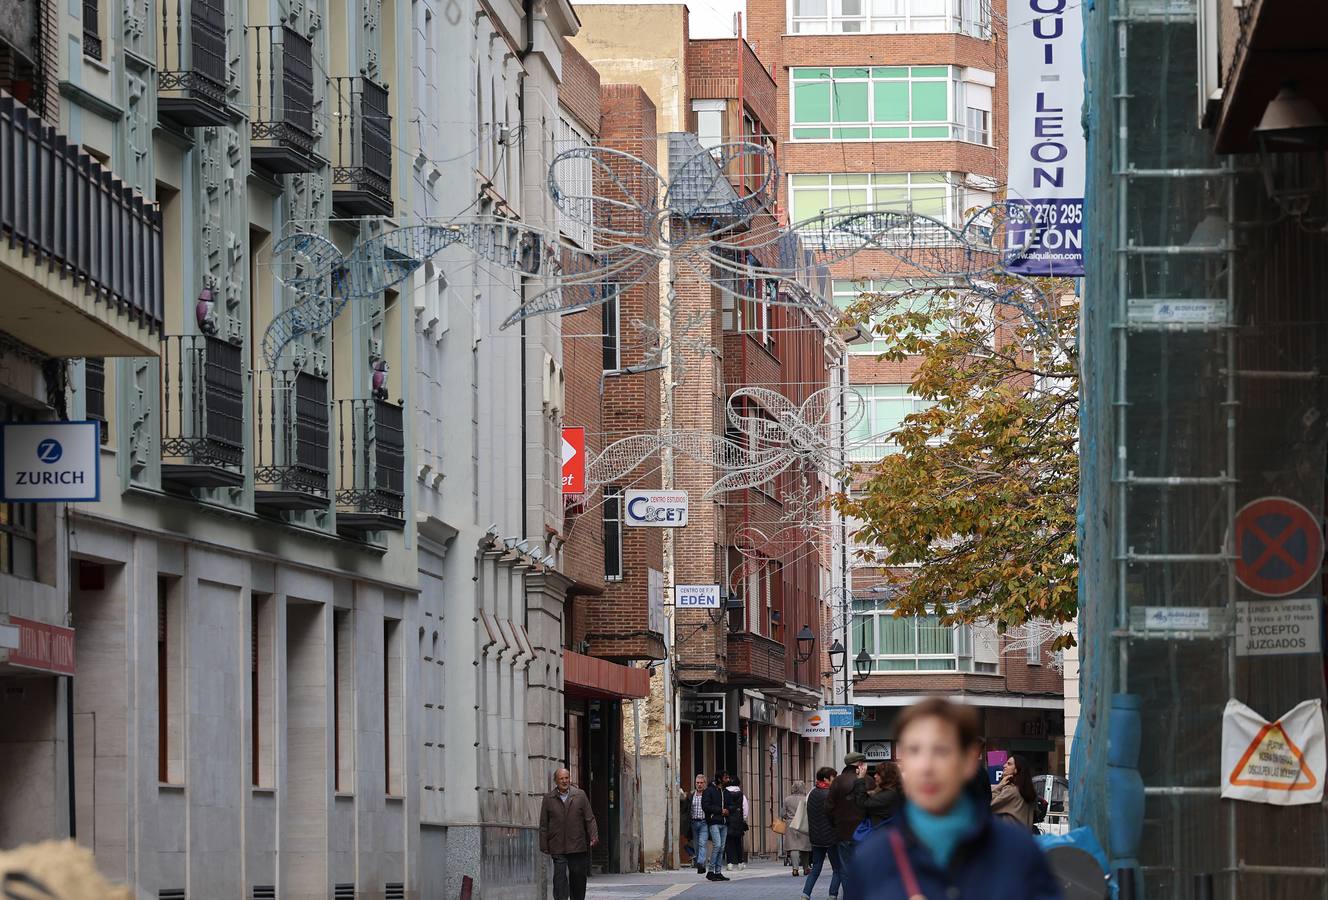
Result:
[904,112]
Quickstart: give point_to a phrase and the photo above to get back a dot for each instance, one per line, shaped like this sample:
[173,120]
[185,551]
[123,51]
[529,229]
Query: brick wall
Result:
[578,92]
[613,616]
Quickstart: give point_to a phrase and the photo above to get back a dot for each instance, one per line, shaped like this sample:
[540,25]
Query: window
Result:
[880,103]
[908,644]
[887,405]
[575,178]
[847,292]
[170,682]
[889,16]
[394,784]
[926,193]
[1034,653]
[709,122]
[613,533]
[612,333]
[886,103]
[94,389]
[343,702]
[261,690]
[91,29]
[18,521]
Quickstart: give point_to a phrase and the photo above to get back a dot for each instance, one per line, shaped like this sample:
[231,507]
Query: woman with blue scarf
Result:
[943,844]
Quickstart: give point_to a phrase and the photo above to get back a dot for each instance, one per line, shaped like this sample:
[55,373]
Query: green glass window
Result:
[911,103]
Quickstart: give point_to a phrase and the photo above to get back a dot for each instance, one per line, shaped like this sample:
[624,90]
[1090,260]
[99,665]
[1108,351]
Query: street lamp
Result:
[837,660]
[862,664]
[806,641]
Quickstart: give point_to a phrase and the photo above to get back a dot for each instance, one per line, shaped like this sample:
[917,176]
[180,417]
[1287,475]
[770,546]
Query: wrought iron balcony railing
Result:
[91,30]
[361,147]
[372,466]
[292,418]
[192,82]
[282,127]
[202,412]
[66,212]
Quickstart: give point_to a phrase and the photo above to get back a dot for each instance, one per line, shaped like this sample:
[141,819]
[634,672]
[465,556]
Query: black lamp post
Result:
[862,664]
[806,641]
[837,655]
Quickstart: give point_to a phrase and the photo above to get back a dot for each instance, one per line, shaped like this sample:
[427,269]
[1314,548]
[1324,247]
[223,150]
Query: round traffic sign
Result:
[1278,546]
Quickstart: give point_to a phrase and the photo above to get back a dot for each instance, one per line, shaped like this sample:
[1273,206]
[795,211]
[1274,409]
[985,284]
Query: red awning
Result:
[590,676]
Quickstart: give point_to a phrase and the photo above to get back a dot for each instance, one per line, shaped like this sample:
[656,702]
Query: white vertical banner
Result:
[1047,148]
[1279,762]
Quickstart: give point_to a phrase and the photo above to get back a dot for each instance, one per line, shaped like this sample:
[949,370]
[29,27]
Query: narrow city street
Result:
[763,879]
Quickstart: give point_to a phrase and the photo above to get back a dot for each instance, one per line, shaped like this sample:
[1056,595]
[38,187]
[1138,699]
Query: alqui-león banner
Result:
[1047,152]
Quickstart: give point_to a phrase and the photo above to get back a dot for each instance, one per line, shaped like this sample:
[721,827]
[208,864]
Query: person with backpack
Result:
[737,821]
[944,844]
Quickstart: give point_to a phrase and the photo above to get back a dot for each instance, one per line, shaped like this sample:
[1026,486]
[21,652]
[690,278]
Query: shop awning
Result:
[590,676]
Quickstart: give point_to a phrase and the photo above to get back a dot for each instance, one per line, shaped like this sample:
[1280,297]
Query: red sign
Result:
[574,460]
[1278,546]
[49,648]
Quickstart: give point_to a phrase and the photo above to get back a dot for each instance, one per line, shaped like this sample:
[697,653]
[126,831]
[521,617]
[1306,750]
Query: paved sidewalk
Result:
[762,880]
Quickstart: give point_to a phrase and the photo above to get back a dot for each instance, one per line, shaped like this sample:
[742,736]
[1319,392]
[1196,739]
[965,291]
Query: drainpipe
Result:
[528,12]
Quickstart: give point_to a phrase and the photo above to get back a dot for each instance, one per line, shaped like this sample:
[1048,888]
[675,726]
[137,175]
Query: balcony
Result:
[81,250]
[756,661]
[282,128]
[193,82]
[293,422]
[371,457]
[361,148]
[202,413]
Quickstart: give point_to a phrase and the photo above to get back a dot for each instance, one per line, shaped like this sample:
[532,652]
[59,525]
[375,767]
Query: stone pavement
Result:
[762,880]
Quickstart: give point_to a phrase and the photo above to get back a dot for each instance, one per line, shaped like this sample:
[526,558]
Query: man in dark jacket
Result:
[843,809]
[716,810]
[821,835]
[567,832]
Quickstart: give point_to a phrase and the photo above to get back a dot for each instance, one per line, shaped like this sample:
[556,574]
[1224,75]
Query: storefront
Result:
[594,694]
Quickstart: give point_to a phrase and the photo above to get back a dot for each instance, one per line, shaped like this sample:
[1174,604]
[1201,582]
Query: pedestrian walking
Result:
[713,805]
[739,812]
[1014,799]
[700,824]
[797,846]
[944,843]
[821,834]
[567,832]
[844,812]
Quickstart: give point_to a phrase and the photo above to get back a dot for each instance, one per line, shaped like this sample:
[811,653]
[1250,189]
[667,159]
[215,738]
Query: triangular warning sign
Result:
[1273,761]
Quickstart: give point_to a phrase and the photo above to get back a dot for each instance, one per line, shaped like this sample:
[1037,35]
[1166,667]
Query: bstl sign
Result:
[50,461]
[37,645]
[657,509]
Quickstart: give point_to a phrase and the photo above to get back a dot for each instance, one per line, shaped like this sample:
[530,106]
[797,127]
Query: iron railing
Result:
[372,458]
[94,392]
[293,423]
[61,205]
[362,143]
[193,50]
[283,73]
[202,401]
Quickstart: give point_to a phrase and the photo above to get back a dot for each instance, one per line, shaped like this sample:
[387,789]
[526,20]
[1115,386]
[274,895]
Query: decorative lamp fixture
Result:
[862,665]
[1291,136]
[837,655]
[806,641]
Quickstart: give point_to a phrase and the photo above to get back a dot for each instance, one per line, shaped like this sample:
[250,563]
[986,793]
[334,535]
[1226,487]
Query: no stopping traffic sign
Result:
[1278,546]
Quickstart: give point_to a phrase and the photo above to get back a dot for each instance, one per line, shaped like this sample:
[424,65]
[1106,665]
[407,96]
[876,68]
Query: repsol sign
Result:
[656,509]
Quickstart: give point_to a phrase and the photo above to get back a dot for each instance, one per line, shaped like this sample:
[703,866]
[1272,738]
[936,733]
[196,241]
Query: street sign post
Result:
[1278,546]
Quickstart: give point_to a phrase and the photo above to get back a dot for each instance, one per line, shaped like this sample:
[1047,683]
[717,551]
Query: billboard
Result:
[1047,148]
[574,460]
[657,509]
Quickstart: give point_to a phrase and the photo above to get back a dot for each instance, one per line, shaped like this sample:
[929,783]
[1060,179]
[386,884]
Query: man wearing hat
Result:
[844,813]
